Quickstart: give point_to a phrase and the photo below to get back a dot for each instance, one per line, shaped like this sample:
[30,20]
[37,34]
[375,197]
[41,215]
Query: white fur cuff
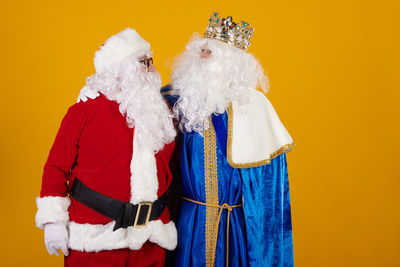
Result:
[52,209]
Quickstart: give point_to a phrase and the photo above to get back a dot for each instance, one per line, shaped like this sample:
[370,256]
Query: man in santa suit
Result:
[103,195]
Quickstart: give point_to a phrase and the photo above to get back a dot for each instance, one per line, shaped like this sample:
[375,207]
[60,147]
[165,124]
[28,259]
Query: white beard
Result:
[207,86]
[139,98]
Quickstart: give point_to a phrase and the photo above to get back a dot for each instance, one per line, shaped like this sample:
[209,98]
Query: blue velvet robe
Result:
[260,232]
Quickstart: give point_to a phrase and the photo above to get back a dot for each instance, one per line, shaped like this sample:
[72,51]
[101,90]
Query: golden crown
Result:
[225,30]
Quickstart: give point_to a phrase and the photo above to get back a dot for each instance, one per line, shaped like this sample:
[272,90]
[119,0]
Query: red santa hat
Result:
[119,47]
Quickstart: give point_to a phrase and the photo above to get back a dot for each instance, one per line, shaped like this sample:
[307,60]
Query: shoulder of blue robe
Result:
[166,92]
[255,133]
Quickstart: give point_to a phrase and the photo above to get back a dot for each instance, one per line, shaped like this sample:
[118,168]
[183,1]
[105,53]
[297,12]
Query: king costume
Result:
[119,145]
[234,180]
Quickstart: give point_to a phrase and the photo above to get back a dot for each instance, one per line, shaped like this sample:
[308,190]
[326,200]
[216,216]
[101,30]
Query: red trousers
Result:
[149,255]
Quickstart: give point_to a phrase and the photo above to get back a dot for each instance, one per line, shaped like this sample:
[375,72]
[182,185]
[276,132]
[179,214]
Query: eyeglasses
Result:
[147,62]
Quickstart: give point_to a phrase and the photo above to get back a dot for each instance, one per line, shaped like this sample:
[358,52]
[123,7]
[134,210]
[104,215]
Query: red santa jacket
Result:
[95,144]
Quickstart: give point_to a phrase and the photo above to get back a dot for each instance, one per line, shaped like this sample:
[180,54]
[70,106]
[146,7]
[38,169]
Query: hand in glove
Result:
[86,93]
[55,238]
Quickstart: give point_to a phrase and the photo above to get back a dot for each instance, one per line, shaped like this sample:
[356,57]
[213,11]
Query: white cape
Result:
[255,133]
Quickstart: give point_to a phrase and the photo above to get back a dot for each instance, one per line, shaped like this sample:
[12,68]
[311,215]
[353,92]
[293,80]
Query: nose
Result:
[151,68]
[205,53]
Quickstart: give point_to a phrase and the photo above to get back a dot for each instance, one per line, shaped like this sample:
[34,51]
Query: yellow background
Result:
[334,68]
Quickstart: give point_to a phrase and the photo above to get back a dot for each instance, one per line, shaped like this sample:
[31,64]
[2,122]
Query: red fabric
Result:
[94,144]
[149,255]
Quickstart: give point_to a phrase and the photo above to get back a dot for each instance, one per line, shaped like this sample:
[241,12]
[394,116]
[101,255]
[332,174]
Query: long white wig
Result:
[139,98]
[206,86]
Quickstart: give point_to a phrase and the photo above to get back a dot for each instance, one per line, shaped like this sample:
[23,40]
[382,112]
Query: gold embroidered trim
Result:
[280,151]
[211,192]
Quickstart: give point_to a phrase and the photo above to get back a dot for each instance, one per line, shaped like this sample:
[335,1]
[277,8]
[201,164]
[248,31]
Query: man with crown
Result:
[234,181]
[103,196]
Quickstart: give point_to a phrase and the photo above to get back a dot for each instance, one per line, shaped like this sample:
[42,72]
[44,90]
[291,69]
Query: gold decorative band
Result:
[211,192]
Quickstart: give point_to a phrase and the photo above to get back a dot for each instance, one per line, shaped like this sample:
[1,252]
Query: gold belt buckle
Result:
[150,204]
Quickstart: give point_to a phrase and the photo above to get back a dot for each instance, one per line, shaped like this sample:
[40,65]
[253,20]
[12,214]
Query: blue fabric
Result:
[268,218]
[221,131]
[260,232]
[165,88]
[171,99]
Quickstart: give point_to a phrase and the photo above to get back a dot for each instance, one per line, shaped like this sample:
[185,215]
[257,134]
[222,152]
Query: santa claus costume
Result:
[116,147]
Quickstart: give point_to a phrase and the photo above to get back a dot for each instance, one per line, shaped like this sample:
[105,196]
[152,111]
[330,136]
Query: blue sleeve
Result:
[267,211]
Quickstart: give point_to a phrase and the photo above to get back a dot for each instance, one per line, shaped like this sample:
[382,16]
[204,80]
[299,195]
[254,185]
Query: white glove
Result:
[55,238]
[86,93]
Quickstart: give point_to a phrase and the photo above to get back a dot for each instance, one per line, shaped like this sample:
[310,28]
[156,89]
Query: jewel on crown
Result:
[225,30]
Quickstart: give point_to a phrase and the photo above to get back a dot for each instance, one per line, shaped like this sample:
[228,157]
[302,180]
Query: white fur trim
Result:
[257,131]
[51,210]
[118,47]
[97,237]
[144,180]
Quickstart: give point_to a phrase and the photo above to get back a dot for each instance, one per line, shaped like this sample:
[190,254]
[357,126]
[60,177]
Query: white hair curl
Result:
[139,98]
[206,86]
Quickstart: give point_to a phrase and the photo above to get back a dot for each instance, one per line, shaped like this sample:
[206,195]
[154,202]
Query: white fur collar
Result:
[144,180]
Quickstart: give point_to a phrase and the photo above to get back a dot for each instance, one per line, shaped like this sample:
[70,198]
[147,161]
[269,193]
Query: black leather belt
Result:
[124,213]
